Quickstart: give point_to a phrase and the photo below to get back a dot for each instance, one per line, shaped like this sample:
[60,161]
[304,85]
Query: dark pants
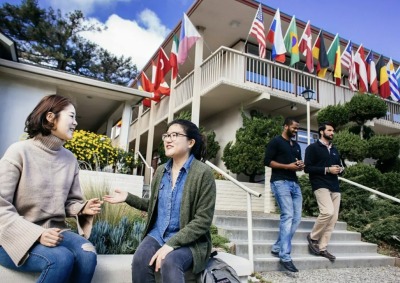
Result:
[173,267]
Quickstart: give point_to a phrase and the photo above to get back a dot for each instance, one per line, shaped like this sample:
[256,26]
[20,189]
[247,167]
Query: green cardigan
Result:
[196,215]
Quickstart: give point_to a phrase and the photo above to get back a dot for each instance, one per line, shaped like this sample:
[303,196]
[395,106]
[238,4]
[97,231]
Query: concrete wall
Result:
[95,179]
[231,197]
[17,99]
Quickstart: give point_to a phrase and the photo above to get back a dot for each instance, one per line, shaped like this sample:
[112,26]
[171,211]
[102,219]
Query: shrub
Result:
[386,230]
[383,147]
[337,114]
[390,183]
[93,149]
[310,205]
[351,146]
[96,152]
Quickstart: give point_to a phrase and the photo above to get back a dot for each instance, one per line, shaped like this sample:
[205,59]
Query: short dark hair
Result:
[36,122]
[199,150]
[322,127]
[289,121]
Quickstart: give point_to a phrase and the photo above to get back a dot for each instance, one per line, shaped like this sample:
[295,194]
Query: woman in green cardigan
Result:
[180,209]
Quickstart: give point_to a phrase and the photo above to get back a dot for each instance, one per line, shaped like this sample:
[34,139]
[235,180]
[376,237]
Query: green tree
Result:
[337,114]
[364,107]
[246,154]
[351,146]
[48,38]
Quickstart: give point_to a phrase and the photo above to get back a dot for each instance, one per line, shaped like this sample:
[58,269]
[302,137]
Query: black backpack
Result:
[218,271]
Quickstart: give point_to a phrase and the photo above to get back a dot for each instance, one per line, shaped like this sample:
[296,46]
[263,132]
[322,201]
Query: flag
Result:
[398,76]
[292,42]
[394,88]
[347,60]
[381,73]
[371,74]
[352,73]
[146,84]
[346,56]
[173,59]
[163,67]
[146,101]
[274,36]
[189,35]
[305,47]
[319,53]
[257,30]
[359,59]
[333,52]
[163,88]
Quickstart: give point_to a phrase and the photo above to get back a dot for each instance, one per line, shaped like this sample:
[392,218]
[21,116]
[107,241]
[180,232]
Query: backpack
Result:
[218,271]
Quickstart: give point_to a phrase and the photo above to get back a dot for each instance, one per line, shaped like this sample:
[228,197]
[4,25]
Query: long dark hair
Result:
[199,149]
[36,123]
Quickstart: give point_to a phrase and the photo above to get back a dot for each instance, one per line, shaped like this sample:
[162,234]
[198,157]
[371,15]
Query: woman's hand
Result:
[118,196]
[92,207]
[160,255]
[51,237]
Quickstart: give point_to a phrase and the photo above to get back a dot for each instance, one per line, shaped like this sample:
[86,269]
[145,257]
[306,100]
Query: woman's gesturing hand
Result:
[92,207]
[117,197]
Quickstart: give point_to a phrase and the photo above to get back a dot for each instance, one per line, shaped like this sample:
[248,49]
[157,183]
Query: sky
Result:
[136,28]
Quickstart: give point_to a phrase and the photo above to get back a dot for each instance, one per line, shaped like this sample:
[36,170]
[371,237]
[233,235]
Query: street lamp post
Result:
[308,95]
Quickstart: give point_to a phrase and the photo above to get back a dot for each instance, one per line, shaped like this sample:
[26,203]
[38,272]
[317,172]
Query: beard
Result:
[329,138]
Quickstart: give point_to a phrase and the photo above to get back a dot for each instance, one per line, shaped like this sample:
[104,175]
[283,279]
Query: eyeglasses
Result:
[172,136]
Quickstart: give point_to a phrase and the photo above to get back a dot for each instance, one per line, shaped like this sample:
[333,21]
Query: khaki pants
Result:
[328,204]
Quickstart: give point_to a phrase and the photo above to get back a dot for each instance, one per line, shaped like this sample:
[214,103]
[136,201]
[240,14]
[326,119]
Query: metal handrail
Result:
[369,189]
[147,165]
[249,208]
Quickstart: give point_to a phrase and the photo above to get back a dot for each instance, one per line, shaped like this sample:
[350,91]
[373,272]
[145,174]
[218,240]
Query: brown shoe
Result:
[328,255]
[313,245]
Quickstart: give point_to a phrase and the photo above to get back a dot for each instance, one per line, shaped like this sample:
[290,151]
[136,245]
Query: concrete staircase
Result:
[347,246]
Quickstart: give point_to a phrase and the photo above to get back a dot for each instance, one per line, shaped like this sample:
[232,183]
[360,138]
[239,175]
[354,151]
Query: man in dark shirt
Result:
[283,155]
[322,162]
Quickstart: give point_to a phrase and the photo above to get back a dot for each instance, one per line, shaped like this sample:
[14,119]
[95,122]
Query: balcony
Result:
[230,78]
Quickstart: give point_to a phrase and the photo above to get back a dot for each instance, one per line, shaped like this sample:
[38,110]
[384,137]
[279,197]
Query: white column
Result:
[126,121]
[110,123]
[269,200]
[171,106]
[150,140]
[197,78]
[308,122]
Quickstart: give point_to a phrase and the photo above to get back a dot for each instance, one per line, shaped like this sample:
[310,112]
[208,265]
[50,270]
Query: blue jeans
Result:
[289,199]
[73,260]
[173,267]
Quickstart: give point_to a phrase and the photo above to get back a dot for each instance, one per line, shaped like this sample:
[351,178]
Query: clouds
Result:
[138,39]
[86,6]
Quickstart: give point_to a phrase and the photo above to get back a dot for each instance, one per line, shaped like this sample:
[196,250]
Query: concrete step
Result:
[263,249]
[271,234]
[269,221]
[343,260]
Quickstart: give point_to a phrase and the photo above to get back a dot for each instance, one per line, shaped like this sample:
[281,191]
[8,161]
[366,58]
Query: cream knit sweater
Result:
[39,188]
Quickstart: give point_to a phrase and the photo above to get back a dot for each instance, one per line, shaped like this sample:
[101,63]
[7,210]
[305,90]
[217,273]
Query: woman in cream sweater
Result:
[39,188]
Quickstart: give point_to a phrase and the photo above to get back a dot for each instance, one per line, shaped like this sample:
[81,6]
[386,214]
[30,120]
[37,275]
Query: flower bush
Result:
[96,152]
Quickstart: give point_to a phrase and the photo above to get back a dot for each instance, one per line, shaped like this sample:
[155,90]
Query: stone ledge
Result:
[117,269]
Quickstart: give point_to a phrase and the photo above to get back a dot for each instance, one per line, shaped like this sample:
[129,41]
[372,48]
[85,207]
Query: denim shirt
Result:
[169,203]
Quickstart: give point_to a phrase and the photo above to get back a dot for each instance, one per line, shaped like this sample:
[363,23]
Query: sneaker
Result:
[274,253]
[289,266]
[328,255]
[313,245]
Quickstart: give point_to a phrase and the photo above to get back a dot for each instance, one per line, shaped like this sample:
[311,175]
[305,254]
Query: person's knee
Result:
[60,258]
[328,213]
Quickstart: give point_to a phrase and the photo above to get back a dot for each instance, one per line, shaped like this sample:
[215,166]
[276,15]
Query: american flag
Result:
[346,56]
[257,30]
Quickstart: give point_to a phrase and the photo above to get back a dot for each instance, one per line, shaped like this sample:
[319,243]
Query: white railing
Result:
[369,189]
[249,208]
[393,113]
[147,165]
[184,90]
